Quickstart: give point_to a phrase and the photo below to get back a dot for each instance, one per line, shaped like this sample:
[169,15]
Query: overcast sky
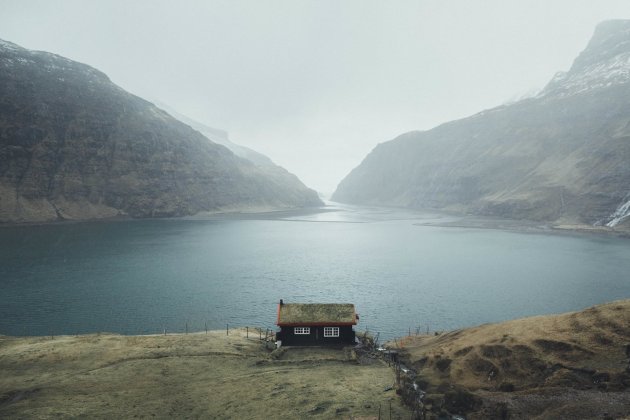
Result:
[315,85]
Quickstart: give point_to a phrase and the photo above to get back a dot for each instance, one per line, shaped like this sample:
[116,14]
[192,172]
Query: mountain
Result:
[562,156]
[220,137]
[73,145]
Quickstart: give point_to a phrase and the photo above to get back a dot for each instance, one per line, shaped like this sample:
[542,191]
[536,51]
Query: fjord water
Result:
[140,277]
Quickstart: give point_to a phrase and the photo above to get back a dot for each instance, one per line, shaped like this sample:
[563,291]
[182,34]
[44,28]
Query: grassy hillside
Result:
[574,365]
[186,376]
[569,366]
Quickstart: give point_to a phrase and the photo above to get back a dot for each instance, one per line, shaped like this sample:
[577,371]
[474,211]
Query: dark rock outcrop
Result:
[562,156]
[73,145]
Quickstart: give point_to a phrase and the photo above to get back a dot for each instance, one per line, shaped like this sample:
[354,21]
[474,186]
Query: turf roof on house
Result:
[316,313]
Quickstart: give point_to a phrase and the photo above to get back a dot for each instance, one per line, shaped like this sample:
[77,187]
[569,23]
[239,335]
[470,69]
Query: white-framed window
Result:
[302,330]
[331,331]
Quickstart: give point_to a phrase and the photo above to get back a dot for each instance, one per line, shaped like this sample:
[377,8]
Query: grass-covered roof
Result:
[316,313]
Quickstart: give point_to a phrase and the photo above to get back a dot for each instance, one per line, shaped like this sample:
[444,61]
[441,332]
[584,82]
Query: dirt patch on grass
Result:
[463,352]
[496,351]
[481,366]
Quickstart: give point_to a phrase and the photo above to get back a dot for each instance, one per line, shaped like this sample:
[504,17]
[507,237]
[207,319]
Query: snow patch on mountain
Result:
[622,213]
[613,71]
[13,56]
[6,45]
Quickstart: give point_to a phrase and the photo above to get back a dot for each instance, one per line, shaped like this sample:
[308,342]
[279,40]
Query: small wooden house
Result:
[316,324]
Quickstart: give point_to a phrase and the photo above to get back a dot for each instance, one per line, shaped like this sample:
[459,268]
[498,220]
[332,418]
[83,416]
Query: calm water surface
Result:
[139,277]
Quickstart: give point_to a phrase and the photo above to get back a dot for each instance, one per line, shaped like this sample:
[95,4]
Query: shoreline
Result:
[206,215]
[253,331]
[452,220]
[526,226]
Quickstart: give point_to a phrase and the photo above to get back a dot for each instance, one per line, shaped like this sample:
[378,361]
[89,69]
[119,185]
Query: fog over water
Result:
[316,85]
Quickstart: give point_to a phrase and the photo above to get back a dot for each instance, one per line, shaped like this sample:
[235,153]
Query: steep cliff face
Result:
[75,146]
[561,156]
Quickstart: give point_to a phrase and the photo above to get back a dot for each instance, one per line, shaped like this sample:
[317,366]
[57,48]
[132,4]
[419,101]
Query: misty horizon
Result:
[316,86]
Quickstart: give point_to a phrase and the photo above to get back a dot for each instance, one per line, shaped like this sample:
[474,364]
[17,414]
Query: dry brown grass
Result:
[185,376]
[317,312]
[574,365]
